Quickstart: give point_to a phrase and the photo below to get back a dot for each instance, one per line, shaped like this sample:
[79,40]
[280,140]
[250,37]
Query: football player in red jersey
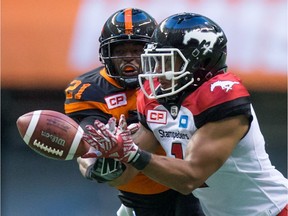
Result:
[203,117]
[111,90]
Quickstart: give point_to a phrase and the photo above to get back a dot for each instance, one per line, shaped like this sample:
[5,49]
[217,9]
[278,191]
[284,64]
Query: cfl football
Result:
[52,134]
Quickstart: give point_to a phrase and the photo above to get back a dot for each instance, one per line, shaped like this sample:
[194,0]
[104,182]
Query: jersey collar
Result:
[103,73]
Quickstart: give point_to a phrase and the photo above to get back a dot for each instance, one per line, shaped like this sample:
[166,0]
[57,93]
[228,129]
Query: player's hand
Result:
[101,138]
[85,166]
[106,144]
[101,169]
[133,128]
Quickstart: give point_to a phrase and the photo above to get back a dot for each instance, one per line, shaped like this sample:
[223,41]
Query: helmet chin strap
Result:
[171,99]
[128,83]
[167,90]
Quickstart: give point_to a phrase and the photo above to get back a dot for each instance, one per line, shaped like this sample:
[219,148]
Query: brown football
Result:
[52,134]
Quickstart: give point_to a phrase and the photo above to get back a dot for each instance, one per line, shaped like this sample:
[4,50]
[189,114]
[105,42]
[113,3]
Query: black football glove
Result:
[104,170]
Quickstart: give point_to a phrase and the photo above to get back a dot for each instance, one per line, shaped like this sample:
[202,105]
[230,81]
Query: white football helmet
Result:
[157,63]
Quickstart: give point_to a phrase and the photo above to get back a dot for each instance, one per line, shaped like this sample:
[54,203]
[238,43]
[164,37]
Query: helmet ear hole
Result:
[196,66]
[206,62]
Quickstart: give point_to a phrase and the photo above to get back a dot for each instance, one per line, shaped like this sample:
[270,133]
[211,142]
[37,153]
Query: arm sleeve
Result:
[88,117]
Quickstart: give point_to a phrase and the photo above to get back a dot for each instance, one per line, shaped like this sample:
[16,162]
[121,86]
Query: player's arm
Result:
[150,146]
[207,150]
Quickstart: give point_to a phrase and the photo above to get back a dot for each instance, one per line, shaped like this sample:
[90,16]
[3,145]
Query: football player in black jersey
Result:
[111,90]
[203,117]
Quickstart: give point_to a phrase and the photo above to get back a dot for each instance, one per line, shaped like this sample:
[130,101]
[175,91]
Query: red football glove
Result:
[118,144]
[133,128]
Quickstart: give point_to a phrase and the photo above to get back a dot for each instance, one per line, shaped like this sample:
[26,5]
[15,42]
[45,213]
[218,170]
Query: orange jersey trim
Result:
[109,79]
[77,106]
[141,184]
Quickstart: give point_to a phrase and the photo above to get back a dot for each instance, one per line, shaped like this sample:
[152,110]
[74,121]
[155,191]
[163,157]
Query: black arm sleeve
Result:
[240,106]
[88,117]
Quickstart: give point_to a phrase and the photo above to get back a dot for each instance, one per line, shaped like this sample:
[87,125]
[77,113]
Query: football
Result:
[52,134]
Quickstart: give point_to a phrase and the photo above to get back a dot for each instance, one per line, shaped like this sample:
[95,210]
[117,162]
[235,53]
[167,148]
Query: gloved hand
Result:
[133,128]
[119,146]
[85,165]
[93,152]
[102,169]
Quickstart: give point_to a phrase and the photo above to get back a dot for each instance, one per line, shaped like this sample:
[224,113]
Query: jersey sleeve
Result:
[84,97]
[221,97]
[141,105]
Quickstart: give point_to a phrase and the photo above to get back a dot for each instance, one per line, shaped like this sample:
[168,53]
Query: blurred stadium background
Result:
[45,44]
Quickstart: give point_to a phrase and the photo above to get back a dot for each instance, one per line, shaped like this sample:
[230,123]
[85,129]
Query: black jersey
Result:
[95,94]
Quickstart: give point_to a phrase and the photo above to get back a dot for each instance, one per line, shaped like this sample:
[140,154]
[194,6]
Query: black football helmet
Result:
[126,25]
[197,40]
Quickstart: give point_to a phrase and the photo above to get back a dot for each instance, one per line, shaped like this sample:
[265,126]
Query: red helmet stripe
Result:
[128,21]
